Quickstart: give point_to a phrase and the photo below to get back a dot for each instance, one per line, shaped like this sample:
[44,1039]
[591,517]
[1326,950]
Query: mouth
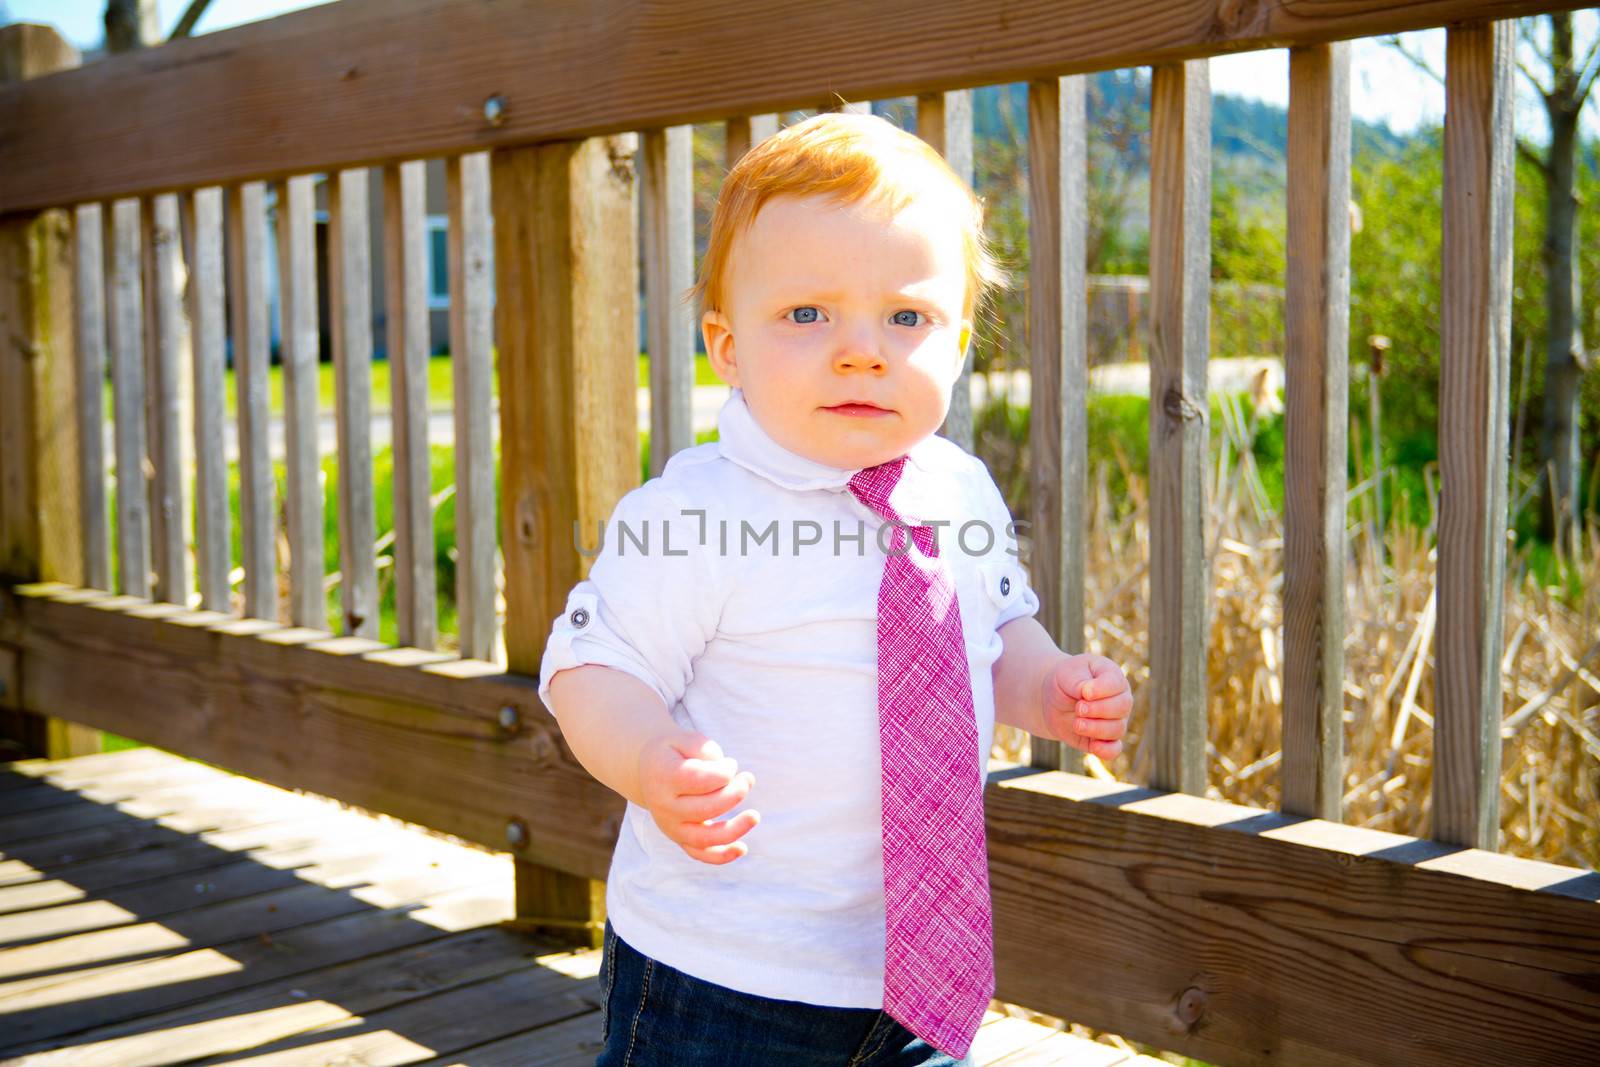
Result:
[858,409]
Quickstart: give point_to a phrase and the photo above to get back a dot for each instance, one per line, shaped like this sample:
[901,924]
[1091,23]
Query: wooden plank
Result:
[126,334]
[1250,937]
[226,826]
[1475,341]
[449,1021]
[191,113]
[331,860]
[298,346]
[318,983]
[1317,324]
[566,317]
[1058,213]
[1180,285]
[39,795]
[247,258]
[17,830]
[31,986]
[944,120]
[343,717]
[167,356]
[89,285]
[472,364]
[202,211]
[742,133]
[666,209]
[405,239]
[350,306]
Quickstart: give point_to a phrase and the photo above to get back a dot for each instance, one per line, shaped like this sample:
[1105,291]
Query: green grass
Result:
[441,384]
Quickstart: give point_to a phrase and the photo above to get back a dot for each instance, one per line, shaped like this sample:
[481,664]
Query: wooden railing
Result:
[1233,934]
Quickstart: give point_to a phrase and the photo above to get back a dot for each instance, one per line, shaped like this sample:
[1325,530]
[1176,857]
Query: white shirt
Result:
[774,657]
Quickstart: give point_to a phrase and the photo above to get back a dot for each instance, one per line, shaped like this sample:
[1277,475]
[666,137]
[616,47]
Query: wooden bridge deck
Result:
[155,910]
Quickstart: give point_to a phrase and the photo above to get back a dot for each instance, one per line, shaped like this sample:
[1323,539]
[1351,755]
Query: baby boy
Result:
[728,632]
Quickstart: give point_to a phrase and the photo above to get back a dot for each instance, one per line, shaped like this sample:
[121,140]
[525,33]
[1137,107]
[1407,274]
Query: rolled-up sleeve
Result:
[649,605]
[1005,577]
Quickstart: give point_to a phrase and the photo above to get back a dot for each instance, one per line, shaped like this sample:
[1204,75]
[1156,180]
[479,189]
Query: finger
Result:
[1112,707]
[695,777]
[1102,729]
[1105,749]
[712,834]
[1105,679]
[719,855]
[1068,679]
[708,805]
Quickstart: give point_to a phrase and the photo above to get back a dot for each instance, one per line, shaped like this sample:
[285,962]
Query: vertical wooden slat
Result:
[1059,368]
[350,305]
[467,182]
[1180,258]
[405,243]
[944,120]
[744,132]
[247,252]
[566,316]
[297,294]
[1317,330]
[1475,340]
[213,551]
[89,283]
[125,335]
[666,204]
[166,359]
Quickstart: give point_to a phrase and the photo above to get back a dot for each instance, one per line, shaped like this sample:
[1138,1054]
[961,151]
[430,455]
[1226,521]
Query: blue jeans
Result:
[658,1016]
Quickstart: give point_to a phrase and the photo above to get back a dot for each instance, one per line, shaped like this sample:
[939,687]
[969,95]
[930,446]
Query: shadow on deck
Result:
[155,910]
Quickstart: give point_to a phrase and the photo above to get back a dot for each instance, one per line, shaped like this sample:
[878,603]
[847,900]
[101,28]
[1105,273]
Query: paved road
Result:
[1125,378]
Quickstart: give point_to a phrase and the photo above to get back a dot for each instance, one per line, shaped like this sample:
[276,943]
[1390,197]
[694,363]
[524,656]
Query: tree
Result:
[1563,83]
[132,24]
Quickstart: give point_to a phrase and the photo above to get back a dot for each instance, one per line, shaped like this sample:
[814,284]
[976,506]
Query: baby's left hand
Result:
[1086,704]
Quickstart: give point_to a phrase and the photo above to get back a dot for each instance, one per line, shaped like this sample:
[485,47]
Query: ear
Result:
[718,334]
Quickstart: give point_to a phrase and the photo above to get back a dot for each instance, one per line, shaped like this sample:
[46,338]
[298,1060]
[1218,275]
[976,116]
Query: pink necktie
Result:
[939,957]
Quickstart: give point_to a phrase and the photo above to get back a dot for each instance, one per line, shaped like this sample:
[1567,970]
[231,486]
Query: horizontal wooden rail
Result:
[1245,937]
[336,86]
[419,735]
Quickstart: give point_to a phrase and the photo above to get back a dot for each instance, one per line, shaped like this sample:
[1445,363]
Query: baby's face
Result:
[828,304]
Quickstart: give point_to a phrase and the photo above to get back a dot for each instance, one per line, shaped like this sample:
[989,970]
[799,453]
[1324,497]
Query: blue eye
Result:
[801,313]
[899,321]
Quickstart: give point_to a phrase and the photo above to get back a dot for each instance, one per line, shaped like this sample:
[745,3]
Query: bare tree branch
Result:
[1525,32]
[1538,85]
[191,16]
[1393,41]
[1525,150]
[1588,71]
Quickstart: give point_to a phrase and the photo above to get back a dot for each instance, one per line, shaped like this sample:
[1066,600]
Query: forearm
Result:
[607,716]
[1026,662]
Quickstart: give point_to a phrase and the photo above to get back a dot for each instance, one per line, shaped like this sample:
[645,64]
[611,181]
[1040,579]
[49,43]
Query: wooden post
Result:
[566,274]
[1180,280]
[1316,387]
[1474,372]
[41,521]
[1058,358]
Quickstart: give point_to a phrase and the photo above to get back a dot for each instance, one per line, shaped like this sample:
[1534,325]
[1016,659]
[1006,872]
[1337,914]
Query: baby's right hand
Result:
[686,781]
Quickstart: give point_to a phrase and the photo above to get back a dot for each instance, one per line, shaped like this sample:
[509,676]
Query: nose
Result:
[857,351]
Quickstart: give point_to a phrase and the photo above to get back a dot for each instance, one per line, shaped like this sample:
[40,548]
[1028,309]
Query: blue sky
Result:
[1385,86]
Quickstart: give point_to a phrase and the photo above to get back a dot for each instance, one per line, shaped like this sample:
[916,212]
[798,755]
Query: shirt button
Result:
[1005,585]
[580,617]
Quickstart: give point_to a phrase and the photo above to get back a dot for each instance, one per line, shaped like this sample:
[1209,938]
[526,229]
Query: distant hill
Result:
[1239,127]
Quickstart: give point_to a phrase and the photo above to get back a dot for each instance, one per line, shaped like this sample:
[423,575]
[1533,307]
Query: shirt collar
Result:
[742,439]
